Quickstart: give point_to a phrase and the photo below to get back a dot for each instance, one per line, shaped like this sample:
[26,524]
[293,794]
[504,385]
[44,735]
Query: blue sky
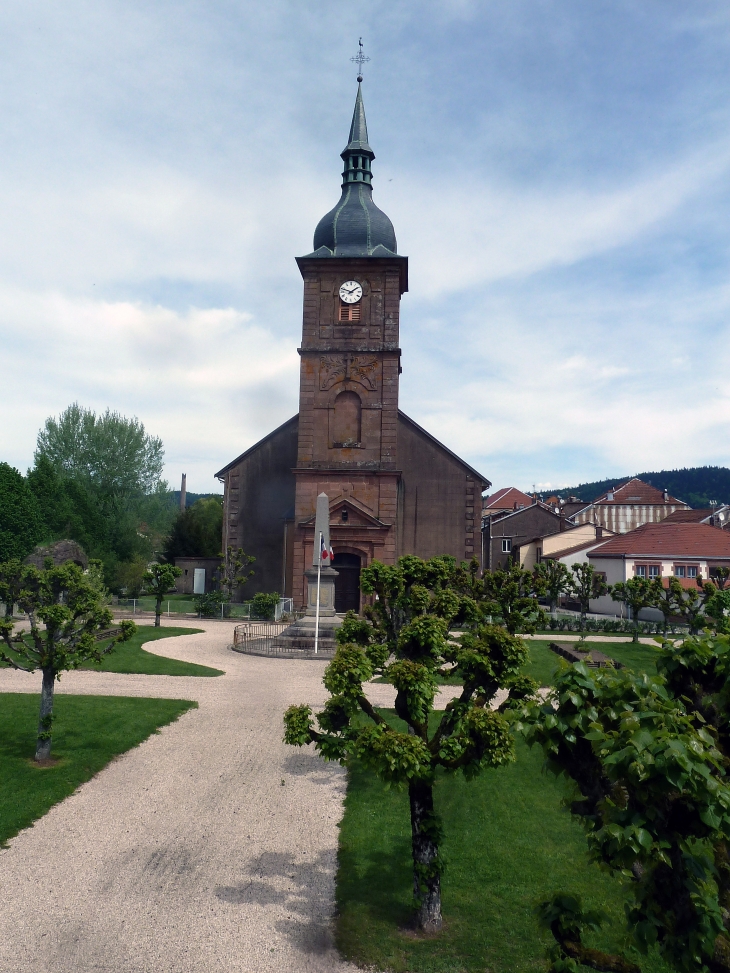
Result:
[557,173]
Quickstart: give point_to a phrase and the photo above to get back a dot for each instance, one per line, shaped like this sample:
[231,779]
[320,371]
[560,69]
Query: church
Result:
[393,488]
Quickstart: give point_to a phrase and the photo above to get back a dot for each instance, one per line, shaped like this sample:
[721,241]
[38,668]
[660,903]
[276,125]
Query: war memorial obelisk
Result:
[315,631]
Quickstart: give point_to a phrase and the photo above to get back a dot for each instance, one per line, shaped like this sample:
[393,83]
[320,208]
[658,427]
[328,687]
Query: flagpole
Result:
[316,617]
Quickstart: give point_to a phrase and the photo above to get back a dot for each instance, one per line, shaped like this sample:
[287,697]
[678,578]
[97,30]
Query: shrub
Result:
[263,606]
[209,604]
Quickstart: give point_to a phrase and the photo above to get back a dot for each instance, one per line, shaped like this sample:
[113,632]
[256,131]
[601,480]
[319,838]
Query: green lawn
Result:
[87,732]
[509,843]
[544,662]
[131,657]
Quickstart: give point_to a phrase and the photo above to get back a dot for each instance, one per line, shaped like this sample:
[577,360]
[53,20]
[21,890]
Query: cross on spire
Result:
[360,59]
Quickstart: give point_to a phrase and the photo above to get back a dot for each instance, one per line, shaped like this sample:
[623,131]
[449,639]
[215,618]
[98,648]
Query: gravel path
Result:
[210,847]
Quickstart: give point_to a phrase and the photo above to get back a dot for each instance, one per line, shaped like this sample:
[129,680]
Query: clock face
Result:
[351,292]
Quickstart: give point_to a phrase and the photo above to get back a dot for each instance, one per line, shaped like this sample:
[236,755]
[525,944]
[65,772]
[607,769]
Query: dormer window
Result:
[349,312]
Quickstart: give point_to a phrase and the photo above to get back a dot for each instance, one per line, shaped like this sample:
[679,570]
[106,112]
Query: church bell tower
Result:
[350,363]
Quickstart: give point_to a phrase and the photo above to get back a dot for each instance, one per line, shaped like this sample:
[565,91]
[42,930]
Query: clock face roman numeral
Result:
[350,292]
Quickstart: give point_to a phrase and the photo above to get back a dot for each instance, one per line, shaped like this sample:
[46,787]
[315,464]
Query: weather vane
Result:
[359,59]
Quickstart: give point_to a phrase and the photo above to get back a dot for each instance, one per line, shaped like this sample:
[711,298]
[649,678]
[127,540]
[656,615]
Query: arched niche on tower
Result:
[346,420]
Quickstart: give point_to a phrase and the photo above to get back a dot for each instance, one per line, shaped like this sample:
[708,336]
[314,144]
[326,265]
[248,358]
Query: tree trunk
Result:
[43,744]
[158,610]
[425,832]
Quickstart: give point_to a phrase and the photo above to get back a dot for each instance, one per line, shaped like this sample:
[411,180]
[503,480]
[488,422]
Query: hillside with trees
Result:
[698,486]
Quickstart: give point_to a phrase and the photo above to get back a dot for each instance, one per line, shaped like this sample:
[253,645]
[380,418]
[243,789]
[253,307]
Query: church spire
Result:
[358,155]
[356,227]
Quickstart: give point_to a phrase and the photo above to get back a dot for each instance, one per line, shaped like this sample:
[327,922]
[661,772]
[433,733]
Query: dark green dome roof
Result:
[356,227]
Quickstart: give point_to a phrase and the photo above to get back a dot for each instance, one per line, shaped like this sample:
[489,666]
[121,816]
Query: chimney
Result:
[609,495]
[183,491]
[666,495]
[599,533]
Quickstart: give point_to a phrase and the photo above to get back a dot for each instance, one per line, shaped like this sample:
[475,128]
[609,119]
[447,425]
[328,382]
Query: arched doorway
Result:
[347,582]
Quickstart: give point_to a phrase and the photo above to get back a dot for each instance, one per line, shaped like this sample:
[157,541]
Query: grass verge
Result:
[130,657]
[544,663]
[508,844]
[88,731]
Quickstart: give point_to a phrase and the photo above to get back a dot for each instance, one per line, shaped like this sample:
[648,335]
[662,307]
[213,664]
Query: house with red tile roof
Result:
[687,551]
[628,506]
[716,517]
[505,501]
[570,545]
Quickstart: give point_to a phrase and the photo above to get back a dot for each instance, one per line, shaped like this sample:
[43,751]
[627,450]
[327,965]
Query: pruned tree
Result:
[665,598]
[158,580]
[586,585]
[554,579]
[66,612]
[408,639]
[717,607]
[654,801]
[636,593]
[698,672]
[511,594]
[564,916]
[720,578]
[690,603]
[235,570]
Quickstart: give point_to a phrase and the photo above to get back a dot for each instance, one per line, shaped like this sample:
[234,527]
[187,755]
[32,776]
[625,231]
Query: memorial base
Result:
[300,635]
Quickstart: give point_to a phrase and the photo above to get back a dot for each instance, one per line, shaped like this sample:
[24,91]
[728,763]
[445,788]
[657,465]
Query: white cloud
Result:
[209,382]
[561,200]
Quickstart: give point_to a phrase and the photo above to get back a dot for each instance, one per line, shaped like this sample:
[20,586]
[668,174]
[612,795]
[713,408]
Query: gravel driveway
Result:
[210,847]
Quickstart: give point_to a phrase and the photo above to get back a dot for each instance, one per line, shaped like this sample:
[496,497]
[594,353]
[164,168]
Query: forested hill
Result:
[696,486]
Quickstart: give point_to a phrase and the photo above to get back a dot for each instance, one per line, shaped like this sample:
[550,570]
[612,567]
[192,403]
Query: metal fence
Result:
[263,639]
[183,606]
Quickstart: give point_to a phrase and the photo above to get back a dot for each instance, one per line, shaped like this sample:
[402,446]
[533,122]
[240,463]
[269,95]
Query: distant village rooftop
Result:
[668,540]
[636,491]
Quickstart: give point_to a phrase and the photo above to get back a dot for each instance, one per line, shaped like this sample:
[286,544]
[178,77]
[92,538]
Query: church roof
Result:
[475,473]
[251,449]
[479,477]
[356,227]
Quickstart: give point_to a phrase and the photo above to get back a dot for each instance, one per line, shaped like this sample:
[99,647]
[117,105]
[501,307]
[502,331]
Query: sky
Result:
[557,174]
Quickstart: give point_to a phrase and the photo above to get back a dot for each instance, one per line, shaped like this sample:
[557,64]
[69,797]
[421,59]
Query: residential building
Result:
[628,506]
[568,546]
[504,501]
[504,534]
[686,551]
[716,517]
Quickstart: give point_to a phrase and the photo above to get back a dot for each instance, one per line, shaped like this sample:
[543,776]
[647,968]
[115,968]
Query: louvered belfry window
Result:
[349,312]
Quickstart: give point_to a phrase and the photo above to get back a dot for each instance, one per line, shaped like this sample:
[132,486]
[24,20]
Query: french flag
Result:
[323,552]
